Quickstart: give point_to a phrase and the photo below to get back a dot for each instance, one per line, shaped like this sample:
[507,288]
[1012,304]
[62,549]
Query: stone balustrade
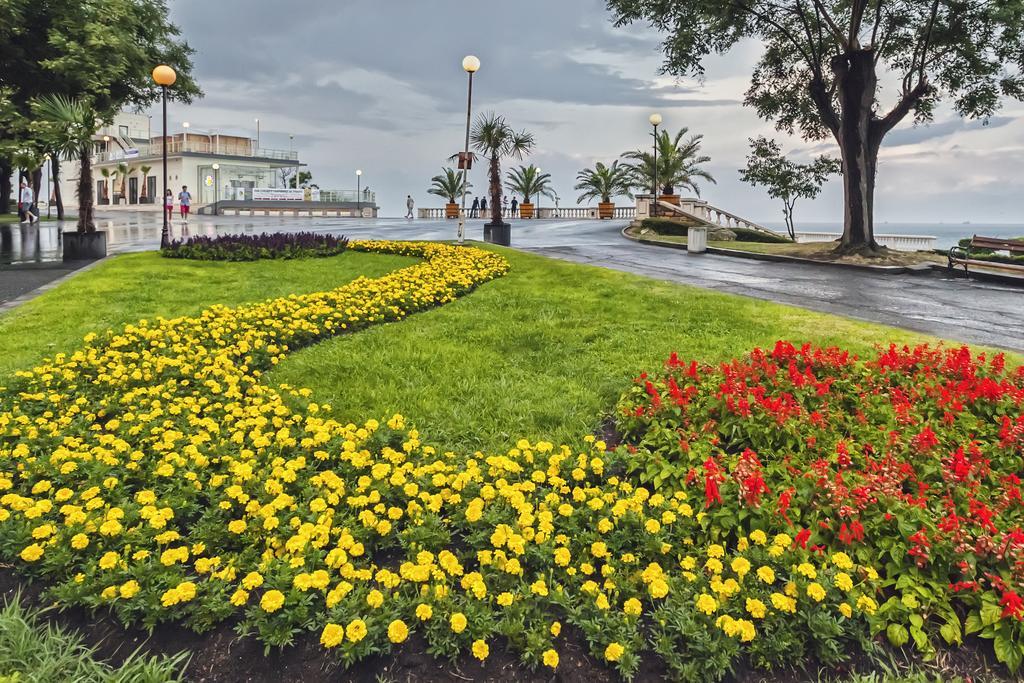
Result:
[897,242]
[563,213]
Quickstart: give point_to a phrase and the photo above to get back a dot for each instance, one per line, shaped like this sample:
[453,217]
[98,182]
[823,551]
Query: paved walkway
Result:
[951,308]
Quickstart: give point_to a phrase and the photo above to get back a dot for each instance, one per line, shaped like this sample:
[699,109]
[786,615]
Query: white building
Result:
[128,160]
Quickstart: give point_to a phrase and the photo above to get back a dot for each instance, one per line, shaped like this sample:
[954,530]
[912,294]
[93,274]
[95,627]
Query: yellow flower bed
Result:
[153,473]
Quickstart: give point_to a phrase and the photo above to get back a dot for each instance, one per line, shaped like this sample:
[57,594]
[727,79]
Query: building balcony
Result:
[229,148]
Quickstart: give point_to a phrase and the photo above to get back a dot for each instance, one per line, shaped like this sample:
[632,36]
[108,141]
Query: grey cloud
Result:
[922,133]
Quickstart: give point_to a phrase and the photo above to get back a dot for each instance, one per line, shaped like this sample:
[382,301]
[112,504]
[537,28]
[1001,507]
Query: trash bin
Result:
[697,240]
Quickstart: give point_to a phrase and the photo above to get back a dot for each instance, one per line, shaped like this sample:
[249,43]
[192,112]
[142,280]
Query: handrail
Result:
[545,213]
[702,212]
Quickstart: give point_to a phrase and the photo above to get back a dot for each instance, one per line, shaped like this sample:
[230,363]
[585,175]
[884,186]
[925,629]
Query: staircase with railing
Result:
[698,210]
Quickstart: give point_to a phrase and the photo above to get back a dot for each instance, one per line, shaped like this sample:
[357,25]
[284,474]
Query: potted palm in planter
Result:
[529,182]
[144,197]
[106,173]
[68,126]
[494,139]
[679,164]
[604,183]
[449,184]
[122,174]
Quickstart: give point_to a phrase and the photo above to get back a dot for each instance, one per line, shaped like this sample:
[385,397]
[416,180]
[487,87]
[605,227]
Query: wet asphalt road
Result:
[951,308]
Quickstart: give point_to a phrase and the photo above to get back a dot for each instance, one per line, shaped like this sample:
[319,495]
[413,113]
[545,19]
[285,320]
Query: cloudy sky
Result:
[379,86]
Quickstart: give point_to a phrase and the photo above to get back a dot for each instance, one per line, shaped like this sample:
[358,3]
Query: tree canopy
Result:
[852,69]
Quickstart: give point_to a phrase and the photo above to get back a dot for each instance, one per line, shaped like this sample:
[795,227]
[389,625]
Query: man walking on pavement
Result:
[409,204]
[25,201]
[476,207]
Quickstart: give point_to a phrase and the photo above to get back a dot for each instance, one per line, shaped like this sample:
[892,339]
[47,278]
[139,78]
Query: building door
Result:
[151,188]
[133,190]
[100,194]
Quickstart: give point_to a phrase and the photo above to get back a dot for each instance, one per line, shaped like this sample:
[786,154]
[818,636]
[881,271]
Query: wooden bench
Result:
[961,256]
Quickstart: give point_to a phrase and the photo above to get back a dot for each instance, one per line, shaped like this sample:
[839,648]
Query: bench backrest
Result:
[1013,246]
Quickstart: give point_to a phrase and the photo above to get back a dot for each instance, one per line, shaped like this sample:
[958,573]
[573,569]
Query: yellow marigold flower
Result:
[613,652]
[716,551]
[845,610]
[375,599]
[842,560]
[458,622]
[237,526]
[562,557]
[79,541]
[539,587]
[756,608]
[480,650]
[633,607]
[398,631]
[556,628]
[707,604]
[844,582]
[272,601]
[32,552]
[605,525]
[424,612]
[252,580]
[783,603]
[758,537]
[505,599]
[550,658]
[109,560]
[652,526]
[782,541]
[688,563]
[332,635]
[109,593]
[867,604]
[766,574]
[602,601]
[714,566]
[356,630]
[239,597]
[128,589]
[741,566]
[807,569]
[598,549]
[658,588]
[791,590]
[747,630]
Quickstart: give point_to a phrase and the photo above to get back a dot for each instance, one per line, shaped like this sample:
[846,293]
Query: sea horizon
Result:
[946,234]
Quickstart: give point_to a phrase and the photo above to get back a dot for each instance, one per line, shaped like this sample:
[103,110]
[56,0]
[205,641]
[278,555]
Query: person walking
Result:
[504,206]
[476,207]
[184,202]
[25,201]
[483,207]
[169,205]
[515,208]
[409,205]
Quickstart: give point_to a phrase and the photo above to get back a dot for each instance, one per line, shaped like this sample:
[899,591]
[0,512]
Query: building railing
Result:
[201,146]
[562,212]
[897,242]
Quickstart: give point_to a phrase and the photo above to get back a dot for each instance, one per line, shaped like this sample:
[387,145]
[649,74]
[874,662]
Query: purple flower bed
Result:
[255,247]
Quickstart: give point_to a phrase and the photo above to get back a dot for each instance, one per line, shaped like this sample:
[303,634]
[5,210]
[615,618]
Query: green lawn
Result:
[541,353]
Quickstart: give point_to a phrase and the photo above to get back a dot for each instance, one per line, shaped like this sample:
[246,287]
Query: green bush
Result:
[666,226]
[748,235]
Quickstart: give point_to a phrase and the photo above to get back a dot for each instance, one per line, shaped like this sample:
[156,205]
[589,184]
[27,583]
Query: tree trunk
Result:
[37,184]
[788,213]
[85,215]
[55,179]
[495,190]
[857,83]
[5,186]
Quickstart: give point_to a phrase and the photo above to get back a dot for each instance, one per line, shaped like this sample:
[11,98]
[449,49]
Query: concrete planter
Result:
[606,210]
[669,198]
[526,210]
[498,234]
[84,246]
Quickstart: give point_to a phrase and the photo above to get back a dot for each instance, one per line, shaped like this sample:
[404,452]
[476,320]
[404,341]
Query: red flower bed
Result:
[911,461]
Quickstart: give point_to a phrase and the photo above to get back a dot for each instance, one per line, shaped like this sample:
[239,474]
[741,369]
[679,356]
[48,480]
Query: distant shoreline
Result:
[946,234]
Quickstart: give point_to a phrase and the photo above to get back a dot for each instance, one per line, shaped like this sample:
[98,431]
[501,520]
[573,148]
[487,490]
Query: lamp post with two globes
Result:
[470,65]
[655,121]
[164,77]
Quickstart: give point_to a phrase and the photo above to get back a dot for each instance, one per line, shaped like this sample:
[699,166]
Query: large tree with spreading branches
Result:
[827,66]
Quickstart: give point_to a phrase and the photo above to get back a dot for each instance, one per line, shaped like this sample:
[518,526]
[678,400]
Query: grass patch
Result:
[32,651]
[131,287]
[543,351]
[815,251]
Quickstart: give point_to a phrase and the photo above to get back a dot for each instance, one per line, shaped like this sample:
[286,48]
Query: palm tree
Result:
[144,170]
[107,173]
[449,184]
[679,163]
[529,181]
[604,182]
[69,127]
[494,139]
[122,172]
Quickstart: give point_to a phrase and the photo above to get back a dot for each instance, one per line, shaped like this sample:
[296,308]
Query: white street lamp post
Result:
[216,187]
[359,196]
[470,65]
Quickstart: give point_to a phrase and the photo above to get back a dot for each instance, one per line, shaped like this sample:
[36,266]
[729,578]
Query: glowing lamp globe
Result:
[655,119]
[164,75]
[471,64]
